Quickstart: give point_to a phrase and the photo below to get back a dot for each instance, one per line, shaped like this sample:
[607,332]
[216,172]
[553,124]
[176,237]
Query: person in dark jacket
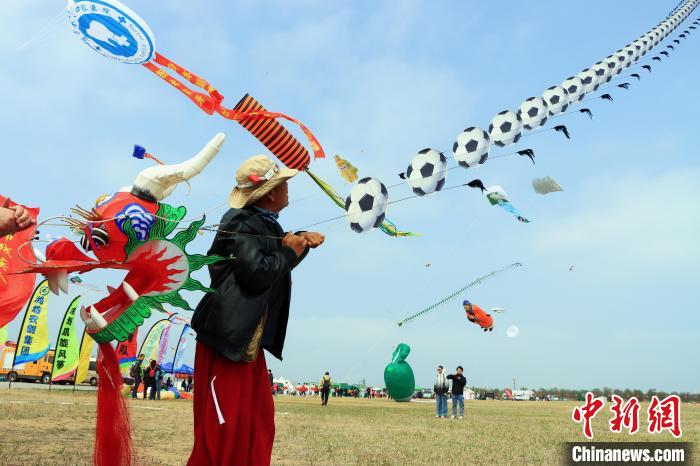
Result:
[325,386]
[150,380]
[458,383]
[136,373]
[247,312]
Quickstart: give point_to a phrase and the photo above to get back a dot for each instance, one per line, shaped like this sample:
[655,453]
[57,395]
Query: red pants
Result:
[234,415]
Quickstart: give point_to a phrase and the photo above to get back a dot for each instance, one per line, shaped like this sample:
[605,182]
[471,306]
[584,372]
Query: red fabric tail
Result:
[113,427]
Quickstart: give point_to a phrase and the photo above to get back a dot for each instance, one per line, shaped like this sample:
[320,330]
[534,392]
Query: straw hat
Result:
[256,177]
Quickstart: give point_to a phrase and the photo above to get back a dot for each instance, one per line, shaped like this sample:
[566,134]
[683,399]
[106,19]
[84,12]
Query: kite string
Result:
[457,293]
[43,32]
[602,87]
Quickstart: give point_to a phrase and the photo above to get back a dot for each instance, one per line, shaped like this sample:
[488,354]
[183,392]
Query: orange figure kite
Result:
[478,316]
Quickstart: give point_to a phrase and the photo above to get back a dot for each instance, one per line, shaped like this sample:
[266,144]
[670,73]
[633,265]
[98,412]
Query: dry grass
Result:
[40,428]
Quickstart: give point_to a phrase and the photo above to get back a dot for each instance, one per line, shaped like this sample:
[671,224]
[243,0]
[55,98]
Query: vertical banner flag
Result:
[84,359]
[33,339]
[180,350]
[126,353]
[65,360]
[15,289]
[150,345]
[164,343]
[3,337]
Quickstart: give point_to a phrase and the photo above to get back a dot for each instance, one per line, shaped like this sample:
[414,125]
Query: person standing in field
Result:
[159,380]
[136,373]
[273,385]
[458,383]
[247,314]
[441,387]
[325,386]
[152,378]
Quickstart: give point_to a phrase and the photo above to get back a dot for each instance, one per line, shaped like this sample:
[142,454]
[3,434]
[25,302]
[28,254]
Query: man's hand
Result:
[313,239]
[22,217]
[296,242]
[8,224]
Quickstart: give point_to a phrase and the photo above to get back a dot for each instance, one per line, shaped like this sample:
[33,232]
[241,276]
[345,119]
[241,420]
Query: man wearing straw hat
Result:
[233,406]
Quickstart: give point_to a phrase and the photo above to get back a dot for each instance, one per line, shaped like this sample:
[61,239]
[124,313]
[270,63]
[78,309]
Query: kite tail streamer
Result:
[508,207]
[262,124]
[203,101]
[191,77]
[328,189]
[248,112]
[387,226]
[457,293]
[390,229]
[113,429]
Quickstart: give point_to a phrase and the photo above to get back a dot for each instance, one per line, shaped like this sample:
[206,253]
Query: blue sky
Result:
[376,82]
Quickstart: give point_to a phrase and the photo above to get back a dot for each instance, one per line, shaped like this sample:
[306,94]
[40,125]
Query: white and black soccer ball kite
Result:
[506,128]
[589,78]
[471,148]
[613,65]
[557,100]
[533,112]
[574,87]
[365,207]
[602,73]
[426,172]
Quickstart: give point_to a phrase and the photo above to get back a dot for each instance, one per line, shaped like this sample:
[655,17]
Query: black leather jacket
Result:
[256,280]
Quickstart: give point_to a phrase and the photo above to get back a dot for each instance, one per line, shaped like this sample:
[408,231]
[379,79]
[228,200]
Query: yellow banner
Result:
[151,344]
[84,361]
[66,358]
[33,340]
[3,337]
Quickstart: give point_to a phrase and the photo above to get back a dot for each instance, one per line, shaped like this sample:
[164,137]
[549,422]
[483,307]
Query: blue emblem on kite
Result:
[108,34]
[112,29]
[141,220]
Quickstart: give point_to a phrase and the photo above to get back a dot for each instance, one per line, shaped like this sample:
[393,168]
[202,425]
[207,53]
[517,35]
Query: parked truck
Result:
[28,372]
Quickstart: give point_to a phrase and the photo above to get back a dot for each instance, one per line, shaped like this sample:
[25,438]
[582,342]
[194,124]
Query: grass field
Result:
[40,428]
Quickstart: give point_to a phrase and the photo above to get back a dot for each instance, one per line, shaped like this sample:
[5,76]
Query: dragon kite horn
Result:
[158,182]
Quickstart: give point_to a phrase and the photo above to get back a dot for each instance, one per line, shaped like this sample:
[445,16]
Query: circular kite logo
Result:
[112,30]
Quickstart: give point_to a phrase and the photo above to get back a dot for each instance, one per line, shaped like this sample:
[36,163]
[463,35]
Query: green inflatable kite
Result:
[398,375]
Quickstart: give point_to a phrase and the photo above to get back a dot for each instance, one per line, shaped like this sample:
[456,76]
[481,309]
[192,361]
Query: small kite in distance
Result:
[528,153]
[545,185]
[587,111]
[562,129]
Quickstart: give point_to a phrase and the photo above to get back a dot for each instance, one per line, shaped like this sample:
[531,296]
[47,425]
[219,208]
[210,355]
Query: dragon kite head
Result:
[130,230]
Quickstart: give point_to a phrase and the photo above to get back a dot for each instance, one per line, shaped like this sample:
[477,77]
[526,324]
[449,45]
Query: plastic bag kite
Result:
[398,375]
[545,185]
[113,30]
[452,296]
[130,231]
[478,316]
[346,169]
[497,196]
